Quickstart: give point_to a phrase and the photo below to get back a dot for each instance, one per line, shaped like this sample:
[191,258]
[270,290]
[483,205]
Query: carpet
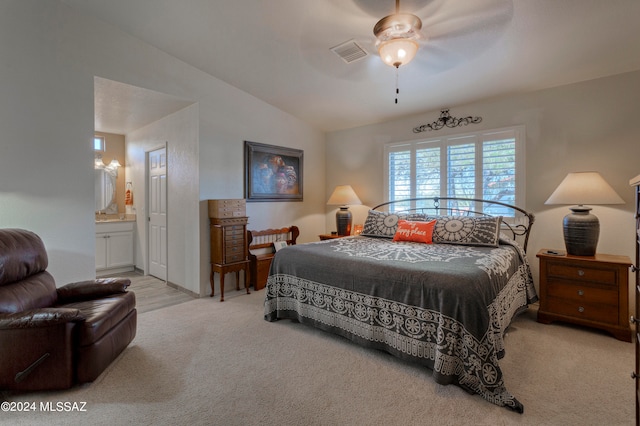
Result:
[204,362]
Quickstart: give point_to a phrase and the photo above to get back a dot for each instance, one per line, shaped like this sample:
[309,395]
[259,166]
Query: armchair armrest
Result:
[92,289]
[35,318]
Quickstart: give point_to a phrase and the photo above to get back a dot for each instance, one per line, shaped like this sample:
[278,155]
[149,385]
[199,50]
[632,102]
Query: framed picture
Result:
[272,173]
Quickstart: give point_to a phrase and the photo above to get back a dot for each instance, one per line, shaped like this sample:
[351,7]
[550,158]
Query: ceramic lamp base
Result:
[343,221]
[581,232]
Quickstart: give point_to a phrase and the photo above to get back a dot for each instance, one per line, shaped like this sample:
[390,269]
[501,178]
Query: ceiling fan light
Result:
[397,51]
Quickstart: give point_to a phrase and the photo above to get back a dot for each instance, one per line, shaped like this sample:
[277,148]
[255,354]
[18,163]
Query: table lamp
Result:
[342,196]
[581,229]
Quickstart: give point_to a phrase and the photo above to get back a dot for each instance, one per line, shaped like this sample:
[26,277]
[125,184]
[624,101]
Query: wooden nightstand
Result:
[586,290]
[330,236]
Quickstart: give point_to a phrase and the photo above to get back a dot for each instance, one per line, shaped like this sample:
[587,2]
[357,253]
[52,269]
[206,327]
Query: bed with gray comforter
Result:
[444,305]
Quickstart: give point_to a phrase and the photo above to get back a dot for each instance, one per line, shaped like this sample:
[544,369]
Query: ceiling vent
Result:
[350,51]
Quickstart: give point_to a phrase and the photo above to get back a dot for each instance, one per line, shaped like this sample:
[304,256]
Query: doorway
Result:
[157,207]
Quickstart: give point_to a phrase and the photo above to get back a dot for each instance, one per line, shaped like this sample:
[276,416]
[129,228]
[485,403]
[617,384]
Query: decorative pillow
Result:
[381,224]
[419,217]
[419,232]
[468,230]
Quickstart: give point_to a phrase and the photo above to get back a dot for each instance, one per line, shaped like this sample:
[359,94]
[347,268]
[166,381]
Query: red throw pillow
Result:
[419,232]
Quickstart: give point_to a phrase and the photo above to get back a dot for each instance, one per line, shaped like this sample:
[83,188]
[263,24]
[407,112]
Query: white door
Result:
[157,230]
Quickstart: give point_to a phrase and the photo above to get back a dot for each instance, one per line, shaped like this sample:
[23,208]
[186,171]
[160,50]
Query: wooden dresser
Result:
[228,234]
[635,319]
[586,290]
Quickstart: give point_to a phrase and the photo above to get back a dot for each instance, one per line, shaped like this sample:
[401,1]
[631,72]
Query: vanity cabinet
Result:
[114,247]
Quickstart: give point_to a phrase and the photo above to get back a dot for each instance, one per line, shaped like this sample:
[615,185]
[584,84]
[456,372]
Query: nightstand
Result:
[585,290]
[330,236]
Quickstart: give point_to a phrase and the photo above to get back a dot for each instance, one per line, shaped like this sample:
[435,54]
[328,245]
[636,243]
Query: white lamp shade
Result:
[397,51]
[584,188]
[342,196]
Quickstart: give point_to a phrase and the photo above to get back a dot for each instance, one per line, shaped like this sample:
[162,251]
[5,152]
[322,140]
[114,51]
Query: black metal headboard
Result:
[515,221]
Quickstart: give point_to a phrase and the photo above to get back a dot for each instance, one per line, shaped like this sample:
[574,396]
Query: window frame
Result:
[517,132]
[103,143]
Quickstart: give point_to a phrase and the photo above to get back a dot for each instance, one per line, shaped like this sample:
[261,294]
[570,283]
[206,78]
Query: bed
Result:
[445,305]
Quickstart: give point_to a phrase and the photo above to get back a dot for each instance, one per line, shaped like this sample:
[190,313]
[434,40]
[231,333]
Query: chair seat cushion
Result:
[102,315]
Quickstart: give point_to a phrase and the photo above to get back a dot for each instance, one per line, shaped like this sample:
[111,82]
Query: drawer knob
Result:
[580,309]
[580,292]
[633,320]
[580,272]
[634,375]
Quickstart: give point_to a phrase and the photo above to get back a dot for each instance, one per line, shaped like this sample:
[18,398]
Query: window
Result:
[487,165]
[98,143]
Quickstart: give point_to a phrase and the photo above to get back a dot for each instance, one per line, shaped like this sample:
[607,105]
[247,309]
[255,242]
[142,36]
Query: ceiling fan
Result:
[438,33]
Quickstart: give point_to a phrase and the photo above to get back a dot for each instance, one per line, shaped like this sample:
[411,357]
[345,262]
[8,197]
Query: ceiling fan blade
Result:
[378,9]
[453,32]
[330,24]
[459,32]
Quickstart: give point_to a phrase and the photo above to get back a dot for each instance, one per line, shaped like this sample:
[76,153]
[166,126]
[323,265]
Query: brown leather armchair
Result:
[53,338]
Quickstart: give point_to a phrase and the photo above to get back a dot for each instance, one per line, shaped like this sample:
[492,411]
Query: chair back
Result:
[24,282]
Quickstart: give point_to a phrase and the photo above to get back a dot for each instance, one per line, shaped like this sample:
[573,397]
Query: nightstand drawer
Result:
[577,272]
[586,311]
[582,293]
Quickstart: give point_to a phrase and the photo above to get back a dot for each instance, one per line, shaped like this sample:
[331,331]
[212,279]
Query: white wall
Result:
[46,128]
[50,55]
[178,132]
[222,170]
[587,126]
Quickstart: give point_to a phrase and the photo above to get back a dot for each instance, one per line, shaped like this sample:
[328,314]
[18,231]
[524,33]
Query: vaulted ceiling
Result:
[280,50]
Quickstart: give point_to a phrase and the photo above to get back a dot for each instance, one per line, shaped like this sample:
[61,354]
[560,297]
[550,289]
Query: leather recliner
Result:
[54,338]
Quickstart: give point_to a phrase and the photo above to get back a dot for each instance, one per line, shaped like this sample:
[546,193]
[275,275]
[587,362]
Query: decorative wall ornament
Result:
[446,119]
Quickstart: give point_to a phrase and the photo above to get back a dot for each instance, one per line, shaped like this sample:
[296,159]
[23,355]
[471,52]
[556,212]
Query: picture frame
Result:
[272,173]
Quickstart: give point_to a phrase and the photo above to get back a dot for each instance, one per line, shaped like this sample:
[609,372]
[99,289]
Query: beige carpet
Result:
[209,363]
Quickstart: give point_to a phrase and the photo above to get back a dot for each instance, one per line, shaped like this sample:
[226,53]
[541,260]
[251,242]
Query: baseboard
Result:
[184,290]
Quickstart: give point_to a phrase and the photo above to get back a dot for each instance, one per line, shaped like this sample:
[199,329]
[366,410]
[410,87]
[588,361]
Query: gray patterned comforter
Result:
[440,305]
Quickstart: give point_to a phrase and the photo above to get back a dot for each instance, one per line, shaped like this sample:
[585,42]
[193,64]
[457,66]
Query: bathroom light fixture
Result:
[114,164]
[581,229]
[112,167]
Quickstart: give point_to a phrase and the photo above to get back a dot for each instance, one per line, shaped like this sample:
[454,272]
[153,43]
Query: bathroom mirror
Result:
[105,190]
